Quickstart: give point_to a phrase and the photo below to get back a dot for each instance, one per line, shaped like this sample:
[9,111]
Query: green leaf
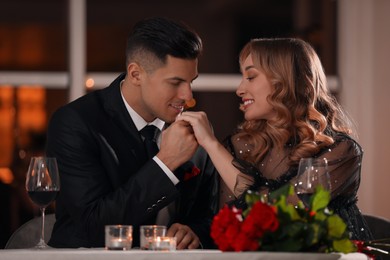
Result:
[287,210]
[320,199]
[336,226]
[285,191]
[301,205]
[320,216]
[290,209]
[313,234]
[295,229]
[251,198]
[344,245]
[289,245]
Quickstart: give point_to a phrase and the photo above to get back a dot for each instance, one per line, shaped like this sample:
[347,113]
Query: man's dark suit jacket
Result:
[106,177]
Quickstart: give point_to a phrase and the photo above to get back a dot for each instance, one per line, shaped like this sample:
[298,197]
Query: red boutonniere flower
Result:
[194,172]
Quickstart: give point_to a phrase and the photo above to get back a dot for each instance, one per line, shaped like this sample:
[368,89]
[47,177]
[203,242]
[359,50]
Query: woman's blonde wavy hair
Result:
[306,113]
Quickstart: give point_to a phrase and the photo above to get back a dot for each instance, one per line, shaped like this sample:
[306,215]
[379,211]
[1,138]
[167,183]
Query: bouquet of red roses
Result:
[270,223]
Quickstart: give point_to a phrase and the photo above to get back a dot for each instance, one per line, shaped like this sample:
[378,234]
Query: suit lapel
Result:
[127,137]
[125,134]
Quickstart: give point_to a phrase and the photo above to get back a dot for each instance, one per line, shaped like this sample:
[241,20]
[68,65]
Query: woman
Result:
[289,115]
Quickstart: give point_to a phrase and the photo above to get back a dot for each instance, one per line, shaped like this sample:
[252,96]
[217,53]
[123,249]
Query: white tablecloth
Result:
[100,254]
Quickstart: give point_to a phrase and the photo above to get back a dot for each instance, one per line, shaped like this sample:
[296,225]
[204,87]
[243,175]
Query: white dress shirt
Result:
[164,214]
[141,123]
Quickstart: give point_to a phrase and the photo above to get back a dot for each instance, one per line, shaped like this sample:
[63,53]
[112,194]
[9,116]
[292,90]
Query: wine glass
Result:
[42,185]
[312,172]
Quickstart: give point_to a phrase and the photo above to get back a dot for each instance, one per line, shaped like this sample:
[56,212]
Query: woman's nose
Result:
[240,90]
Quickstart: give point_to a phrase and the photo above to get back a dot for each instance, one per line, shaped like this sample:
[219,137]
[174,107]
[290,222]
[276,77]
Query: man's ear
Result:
[134,73]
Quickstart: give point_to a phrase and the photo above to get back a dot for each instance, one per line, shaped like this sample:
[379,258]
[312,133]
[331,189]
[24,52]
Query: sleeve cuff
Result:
[167,171]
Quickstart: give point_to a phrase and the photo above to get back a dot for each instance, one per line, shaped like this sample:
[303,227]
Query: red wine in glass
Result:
[42,198]
[42,185]
[312,172]
[305,198]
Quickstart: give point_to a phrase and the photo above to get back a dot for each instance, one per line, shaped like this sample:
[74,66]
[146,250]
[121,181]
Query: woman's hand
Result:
[222,158]
[200,125]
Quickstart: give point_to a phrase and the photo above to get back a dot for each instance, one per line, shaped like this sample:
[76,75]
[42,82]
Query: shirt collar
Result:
[138,120]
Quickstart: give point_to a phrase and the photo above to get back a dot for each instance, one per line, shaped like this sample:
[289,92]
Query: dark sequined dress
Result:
[344,162]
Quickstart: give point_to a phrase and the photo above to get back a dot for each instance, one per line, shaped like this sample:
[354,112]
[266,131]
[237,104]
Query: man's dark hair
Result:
[160,37]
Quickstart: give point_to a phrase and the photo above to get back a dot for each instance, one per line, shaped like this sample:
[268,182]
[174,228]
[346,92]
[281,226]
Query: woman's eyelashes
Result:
[250,77]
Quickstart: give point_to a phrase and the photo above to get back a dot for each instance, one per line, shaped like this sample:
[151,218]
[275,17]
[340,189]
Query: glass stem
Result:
[43,226]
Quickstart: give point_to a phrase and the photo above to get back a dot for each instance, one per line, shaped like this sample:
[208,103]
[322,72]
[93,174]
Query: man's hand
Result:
[185,237]
[178,144]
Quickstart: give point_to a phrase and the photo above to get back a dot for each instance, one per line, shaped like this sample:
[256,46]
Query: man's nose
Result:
[185,92]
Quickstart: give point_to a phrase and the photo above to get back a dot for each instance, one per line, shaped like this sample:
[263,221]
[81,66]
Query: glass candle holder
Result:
[118,237]
[149,233]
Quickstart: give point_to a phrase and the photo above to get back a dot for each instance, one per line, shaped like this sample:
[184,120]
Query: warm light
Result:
[89,83]
[6,175]
[7,124]
[31,110]
[162,244]
[190,103]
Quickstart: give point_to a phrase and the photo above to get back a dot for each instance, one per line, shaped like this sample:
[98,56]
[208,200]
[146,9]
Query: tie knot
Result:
[149,132]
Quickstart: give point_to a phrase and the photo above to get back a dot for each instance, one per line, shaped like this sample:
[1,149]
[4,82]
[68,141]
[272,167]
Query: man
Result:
[108,173]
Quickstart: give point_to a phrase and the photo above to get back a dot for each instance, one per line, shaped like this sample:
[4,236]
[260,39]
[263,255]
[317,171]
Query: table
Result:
[100,254]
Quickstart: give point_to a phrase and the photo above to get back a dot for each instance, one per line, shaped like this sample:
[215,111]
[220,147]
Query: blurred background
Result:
[52,52]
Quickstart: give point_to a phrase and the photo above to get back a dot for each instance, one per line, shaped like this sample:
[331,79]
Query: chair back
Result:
[29,233]
[379,226]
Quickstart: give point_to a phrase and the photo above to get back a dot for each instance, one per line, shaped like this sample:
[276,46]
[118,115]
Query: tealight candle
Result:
[163,244]
[118,244]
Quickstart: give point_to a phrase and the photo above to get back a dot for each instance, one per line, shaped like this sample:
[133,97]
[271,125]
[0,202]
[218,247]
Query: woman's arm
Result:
[344,164]
[221,157]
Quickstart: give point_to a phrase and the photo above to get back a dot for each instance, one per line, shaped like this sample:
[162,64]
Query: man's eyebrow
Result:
[181,79]
[176,78]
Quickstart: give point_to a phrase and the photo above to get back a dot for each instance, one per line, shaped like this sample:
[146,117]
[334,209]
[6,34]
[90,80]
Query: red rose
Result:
[245,243]
[232,232]
[225,228]
[251,229]
[264,216]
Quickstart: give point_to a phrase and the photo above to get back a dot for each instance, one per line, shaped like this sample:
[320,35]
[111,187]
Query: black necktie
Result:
[150,133]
